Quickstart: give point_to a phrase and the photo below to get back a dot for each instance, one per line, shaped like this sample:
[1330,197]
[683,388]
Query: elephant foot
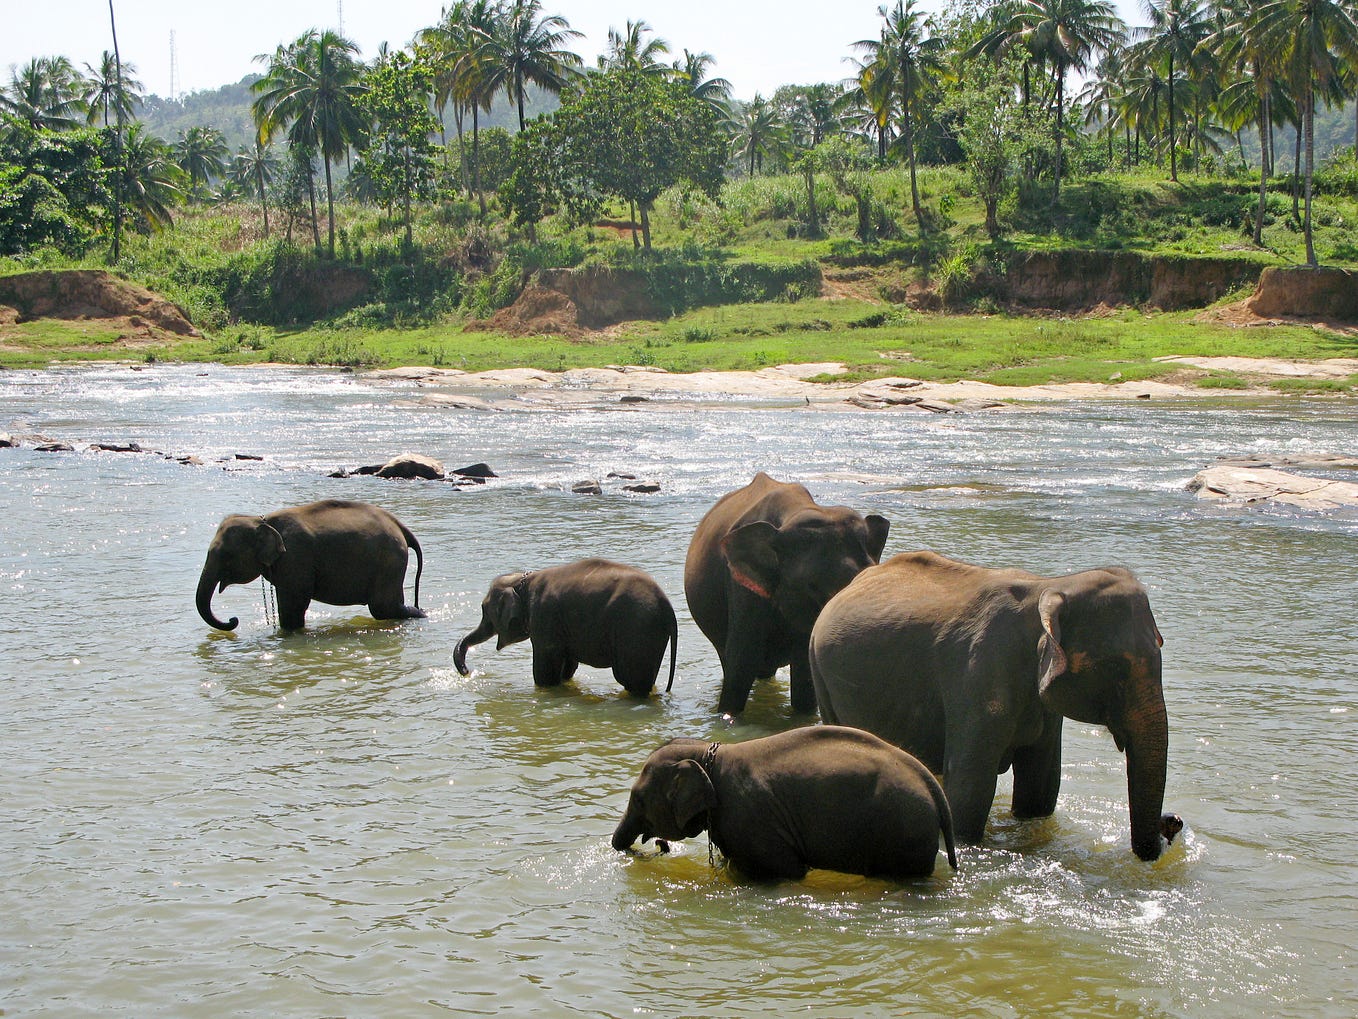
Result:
[1170,826]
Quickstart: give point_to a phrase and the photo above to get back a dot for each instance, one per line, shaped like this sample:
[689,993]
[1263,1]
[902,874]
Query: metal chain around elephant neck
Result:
[709,759]
[270,602]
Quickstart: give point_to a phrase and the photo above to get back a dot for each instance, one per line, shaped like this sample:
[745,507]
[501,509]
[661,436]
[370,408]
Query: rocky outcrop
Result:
[1249,485]
[568,301]
[90,294]
[1324,295]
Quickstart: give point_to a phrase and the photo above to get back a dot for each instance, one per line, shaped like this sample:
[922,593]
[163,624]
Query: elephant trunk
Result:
[482,633]
[1147,742]
[628,830]
[206,583]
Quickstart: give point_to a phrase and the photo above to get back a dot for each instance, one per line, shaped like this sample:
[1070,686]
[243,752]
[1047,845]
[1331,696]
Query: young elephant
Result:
[595,611]
[340,553]
[820,796]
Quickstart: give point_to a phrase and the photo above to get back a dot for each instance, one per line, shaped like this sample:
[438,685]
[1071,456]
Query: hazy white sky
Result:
[758,45]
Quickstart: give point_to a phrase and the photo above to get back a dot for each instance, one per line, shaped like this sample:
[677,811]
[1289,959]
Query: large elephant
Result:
[595,611]
[762,564]
[340,553]
[818,796]
[973,669]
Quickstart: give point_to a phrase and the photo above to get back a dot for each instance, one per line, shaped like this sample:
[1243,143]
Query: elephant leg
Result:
[1037,773]
[803,691]
[291,610]
[388,602]
[970,787]
[551,667]
[636,668]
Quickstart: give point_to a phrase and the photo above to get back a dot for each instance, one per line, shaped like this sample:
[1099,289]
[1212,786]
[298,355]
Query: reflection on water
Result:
[336,822]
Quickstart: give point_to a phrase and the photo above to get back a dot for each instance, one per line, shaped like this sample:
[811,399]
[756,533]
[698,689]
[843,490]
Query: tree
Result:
[1177,30]
[759,133]
[104,96]
[53,188]
[1065,34]
[45,93]
[716,92]
[528,48]
[255,166]
[989,130]
[621,133]
[201,153]
[909,55]
[312,90]
[1315,38]
[399,154]
[627,51]
[152,182]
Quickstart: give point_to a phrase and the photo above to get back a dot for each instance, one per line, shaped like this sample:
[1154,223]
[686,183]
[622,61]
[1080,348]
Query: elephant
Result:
[595,611]
[336,552]
[973,669]
[762,564]
[822,796]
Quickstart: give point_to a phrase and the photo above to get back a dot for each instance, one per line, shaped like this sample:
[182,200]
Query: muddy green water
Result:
[337,823]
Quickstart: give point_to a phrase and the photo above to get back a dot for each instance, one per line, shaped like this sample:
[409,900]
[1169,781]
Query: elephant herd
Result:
[932,676]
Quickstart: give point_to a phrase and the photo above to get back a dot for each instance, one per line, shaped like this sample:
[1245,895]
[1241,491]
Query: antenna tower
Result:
[174,67]
[339,6]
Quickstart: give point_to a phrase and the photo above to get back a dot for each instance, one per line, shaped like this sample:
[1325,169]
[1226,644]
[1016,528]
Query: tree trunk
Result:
[476,158]
[908,136]
[645,227]
[1296,173]
[311,196]
[264,205]
[330,208]
[1309,117]
[1263,180]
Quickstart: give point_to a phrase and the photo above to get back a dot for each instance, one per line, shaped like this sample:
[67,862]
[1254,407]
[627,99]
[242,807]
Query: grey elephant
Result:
[973,670]
[339,553]
[761,565]
[819,796]
[595,611]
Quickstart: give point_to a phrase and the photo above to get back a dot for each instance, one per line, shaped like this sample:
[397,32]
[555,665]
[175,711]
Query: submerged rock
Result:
[1251,485]
[412,465]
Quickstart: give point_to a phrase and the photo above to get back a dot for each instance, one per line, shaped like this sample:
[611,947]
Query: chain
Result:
[270,603]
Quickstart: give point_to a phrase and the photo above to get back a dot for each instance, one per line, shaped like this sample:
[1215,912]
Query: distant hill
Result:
[228,110]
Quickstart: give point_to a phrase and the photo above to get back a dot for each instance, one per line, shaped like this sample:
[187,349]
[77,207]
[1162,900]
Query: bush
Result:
[690,278]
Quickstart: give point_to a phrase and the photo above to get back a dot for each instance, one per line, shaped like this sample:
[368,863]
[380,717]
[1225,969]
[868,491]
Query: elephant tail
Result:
[674,649]
[414,543]
[944,816]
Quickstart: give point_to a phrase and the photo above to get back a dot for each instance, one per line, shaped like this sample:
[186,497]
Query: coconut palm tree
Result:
[910,55]
[1315,38]
[761,133]
[1066,35]
[201,153]
[528,48]
[312,90]
[715,92]
[255,166]
[628,50]
[45,94]
[151,180]
[867,100]
[104,97]
[1175,34]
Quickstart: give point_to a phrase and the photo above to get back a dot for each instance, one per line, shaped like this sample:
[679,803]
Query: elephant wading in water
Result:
[973,670]
[601,613]
[340,553]
[818,796]
[762,564]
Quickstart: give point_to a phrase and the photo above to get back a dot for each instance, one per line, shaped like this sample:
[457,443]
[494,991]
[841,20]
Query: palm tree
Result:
[1065,34]
[628,51]
[867,100]
[909,54]
[151,179]
[312,90]
[1177,30]
[201,153]
[104,97]
[715,92]
[761,133]
[255,166]
[1100,93]
[45,94]
[528,48]
[1314,38]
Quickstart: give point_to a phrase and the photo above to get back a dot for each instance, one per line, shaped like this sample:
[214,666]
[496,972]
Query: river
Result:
[336,823]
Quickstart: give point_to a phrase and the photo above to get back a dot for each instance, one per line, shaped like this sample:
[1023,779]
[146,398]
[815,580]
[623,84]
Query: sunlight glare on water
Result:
[337,822]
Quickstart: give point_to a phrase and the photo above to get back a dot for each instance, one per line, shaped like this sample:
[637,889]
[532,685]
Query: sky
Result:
[757,45]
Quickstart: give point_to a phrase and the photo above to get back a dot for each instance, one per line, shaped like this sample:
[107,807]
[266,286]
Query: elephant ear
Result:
[509,611]
[690,794]
[1069,693]
[268,544]
[752,554]
[878,529]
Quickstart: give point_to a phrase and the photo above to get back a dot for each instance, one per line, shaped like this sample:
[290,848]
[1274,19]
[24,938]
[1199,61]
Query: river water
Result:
[337,823]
